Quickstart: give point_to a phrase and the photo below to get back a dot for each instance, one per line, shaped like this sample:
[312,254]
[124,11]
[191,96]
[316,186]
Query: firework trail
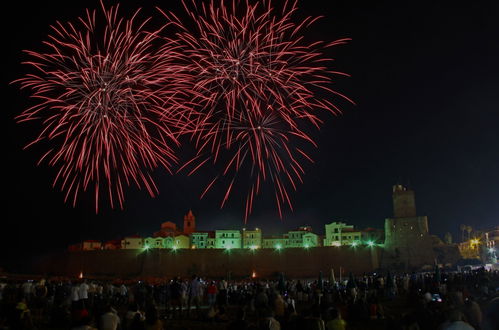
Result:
[257,85]
[108,102]
[261,147]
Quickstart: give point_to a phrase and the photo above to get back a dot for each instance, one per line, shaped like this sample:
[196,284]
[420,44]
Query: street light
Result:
[370,243]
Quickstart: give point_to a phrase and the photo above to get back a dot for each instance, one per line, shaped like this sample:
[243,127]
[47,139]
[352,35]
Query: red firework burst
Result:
[105,96]
[262,146]
[252,72]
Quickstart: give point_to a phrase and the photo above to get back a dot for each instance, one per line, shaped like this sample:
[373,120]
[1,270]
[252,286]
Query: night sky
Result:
[425,78]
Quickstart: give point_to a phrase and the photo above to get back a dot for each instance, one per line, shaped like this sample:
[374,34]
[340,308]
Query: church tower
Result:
[189,223]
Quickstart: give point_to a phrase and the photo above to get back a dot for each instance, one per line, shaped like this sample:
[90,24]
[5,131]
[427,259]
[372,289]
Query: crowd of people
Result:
[435,300]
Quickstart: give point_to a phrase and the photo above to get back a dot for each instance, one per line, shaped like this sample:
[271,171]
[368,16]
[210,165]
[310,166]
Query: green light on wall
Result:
[146,247]
[306,246]
[354,244]
[278,247]
[370,243]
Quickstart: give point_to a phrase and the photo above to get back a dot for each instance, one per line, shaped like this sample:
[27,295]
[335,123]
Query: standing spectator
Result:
[268,322]
[110,319]
[335,322]
[240,322]
[83,292]
[473,312]
[27,288]
[491,316]
[176,295]
[152,319]
[222,293]
[212,293]
[279,306]
[455,322]
[40,300]
[2,286]
[75,294]
[194,294]
[123,294]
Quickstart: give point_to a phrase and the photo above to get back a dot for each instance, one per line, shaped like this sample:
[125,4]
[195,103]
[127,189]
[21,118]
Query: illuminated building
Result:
[181,242]
[210,243]
[252,238]
[333,233]
[227,238]
[199,240]
[132,242]
[155,242]
[310,240]
[272,242]
[294,238]
[350,236]
[112,245]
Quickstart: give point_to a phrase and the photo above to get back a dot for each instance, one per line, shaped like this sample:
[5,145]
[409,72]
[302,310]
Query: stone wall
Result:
[294,262]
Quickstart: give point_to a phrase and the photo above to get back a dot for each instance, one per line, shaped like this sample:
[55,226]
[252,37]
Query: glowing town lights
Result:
[81,275]
[146,247]
[253,274]
[278,246]
[354,244]
[492,250]
[474,242]
[253,247]
[306,246]
[174,248]
[370,243]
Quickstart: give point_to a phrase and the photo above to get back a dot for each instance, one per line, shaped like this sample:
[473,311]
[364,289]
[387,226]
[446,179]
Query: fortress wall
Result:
[407,243]
[294,262]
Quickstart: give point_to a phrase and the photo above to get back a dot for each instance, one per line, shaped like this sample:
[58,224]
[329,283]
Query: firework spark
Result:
[257,83]
[105,98]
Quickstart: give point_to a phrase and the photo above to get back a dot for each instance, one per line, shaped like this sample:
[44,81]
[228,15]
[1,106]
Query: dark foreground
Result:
[404,301]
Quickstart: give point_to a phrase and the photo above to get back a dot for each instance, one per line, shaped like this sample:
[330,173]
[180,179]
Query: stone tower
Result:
[189,223]
[404,202]
[407,242]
